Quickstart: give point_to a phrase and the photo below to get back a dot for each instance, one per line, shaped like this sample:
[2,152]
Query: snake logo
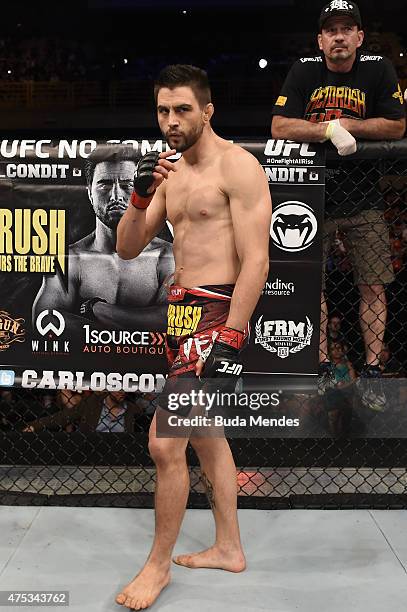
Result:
[293,226]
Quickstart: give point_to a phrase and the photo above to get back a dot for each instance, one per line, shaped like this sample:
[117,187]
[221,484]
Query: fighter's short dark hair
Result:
[108,153]
[180,75]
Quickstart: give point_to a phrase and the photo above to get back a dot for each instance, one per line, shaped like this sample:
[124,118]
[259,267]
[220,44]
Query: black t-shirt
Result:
[313,92]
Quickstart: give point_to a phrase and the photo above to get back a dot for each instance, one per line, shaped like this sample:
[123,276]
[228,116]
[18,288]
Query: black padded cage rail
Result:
[351,457]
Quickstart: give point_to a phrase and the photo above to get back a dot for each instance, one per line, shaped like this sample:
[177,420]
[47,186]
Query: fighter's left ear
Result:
[208,111]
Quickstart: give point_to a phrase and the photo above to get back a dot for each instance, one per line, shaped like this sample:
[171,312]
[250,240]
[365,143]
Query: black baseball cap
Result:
[337,8]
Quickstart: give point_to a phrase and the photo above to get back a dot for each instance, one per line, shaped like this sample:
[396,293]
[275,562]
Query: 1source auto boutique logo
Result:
[283,337]
[293,226]
[11,330]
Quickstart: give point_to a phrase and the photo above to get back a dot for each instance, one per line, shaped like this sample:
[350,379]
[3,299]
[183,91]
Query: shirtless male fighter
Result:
[217,199]
[101,286]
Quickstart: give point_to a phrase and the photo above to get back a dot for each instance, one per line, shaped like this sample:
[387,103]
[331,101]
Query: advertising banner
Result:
[75,315]
[285,324]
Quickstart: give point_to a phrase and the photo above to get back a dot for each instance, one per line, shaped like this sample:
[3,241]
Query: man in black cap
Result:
[342,95]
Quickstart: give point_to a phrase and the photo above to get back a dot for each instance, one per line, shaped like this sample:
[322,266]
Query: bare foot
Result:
[231,561]
[144,589]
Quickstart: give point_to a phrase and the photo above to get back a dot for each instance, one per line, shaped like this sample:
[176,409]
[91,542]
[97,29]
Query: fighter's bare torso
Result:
[197,204]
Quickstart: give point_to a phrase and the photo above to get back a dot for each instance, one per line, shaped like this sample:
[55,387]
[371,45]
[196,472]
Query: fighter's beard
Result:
[186,141]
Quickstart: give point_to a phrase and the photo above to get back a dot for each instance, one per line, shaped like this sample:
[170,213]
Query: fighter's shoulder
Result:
[239,169]
[234,155]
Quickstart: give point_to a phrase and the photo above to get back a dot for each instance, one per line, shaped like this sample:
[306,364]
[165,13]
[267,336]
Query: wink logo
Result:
[50,327]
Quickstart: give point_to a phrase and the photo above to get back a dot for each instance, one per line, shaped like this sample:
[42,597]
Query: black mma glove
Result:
[221,359]
[143,179]
[86,308]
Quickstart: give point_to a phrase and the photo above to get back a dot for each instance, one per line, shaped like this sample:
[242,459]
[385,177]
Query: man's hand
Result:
[151,170]
[340,138]
[221,359]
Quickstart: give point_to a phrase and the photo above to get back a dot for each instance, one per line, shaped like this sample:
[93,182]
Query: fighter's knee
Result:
[164,452]
[156,448]
[198,444]
[205,446]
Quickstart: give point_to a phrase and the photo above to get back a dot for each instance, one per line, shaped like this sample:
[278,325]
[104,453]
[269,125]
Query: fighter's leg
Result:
[171,494]
[220,481]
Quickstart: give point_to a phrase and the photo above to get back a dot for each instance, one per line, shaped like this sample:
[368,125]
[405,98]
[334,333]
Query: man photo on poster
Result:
[103,288]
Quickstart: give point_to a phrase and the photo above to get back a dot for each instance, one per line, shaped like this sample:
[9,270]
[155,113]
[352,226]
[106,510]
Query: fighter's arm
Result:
[250,207]
[246,186]
[139,225]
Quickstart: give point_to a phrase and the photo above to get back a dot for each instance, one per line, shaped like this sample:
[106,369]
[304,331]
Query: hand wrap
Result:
[143,179]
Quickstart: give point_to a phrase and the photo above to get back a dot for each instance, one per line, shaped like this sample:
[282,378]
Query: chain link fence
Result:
[91,449]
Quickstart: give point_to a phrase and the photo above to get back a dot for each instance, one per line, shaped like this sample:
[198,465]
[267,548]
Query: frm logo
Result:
[283,337]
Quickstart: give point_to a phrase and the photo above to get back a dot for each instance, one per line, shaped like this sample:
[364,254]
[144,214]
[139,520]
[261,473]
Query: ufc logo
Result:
[230,368]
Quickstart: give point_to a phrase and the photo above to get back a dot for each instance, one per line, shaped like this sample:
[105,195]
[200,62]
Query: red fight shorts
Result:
[195,317]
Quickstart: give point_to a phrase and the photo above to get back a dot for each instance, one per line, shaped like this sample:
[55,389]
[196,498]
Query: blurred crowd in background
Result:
[70,411]
[65,58]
